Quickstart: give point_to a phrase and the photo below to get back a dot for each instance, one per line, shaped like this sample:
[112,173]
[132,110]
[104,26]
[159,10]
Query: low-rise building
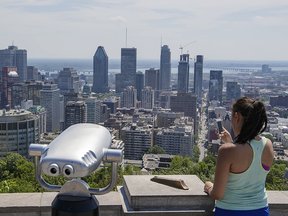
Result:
[156,161]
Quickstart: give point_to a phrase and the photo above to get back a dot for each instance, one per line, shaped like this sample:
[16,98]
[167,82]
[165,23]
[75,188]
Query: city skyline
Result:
[223,30]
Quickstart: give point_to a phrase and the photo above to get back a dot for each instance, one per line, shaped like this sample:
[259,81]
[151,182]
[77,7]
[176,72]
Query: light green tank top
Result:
[246,191]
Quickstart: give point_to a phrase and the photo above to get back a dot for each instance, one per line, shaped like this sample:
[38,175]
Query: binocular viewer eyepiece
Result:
[76,152]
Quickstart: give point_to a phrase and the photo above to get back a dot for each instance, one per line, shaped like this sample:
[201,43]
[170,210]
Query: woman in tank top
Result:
[243,164]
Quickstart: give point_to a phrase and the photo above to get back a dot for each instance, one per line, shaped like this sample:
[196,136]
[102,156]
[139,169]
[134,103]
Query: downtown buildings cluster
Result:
[141,109]
[55,103]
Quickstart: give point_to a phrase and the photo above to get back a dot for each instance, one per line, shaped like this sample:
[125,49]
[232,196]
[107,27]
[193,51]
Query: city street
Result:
[202,136]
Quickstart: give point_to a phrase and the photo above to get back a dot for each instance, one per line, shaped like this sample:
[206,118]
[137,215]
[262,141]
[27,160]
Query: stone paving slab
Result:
[145,194]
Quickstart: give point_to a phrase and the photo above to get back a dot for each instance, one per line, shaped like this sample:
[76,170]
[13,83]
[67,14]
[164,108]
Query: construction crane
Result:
[181,47]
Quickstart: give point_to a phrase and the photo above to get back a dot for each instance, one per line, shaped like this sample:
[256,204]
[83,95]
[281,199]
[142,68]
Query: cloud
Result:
[118,18]
[30,2]
[258,17]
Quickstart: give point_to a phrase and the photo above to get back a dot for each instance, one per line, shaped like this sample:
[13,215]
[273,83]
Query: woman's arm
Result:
[224,161]
[225,136]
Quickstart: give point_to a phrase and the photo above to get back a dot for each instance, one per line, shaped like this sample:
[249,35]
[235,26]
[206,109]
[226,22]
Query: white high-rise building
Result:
[147,101]
[50,100]
[129,97]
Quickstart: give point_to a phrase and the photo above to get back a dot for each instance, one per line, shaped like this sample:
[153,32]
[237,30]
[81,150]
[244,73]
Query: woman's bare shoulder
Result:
[227,148]
[269,146]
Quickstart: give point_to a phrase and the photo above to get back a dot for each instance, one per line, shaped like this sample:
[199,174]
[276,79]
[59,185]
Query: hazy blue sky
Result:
[223,29]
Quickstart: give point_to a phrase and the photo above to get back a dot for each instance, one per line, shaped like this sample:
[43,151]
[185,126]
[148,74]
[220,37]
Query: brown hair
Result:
[254,118]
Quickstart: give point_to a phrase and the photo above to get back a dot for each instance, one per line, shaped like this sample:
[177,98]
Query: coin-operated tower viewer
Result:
[77,152]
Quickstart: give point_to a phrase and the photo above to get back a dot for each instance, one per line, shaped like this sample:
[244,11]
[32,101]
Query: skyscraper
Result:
[75,112]
[50,100]
[233,91]
[183,73]
[198,77]
[68,79]
[152,78]
[15,58]
[216,85]
[139,84]
[128,69]
[165,68]
[100,71]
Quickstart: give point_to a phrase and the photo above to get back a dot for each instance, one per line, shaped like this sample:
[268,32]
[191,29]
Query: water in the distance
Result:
[86,65]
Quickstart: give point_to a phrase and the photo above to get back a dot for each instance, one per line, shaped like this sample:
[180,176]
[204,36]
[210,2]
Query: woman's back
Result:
[241,169]
[245,189]
[242,155]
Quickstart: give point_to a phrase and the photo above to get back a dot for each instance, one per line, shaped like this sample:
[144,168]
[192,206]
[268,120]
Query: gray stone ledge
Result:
[278,200]
[39,204]
[110,204]
[20,202]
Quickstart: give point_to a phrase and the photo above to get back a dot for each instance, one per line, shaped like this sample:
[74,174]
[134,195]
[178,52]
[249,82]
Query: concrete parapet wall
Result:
[116,203]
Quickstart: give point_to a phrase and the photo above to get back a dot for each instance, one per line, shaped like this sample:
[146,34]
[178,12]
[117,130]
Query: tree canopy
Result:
[17,174]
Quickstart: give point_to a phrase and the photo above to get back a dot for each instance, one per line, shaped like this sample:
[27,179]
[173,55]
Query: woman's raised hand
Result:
[224,136]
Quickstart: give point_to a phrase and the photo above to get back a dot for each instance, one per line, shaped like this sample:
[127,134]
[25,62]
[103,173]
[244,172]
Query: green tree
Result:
[8,165]
[196,138]
[176,162]
[285,114]
[274,179]
[154,150]
[196,153]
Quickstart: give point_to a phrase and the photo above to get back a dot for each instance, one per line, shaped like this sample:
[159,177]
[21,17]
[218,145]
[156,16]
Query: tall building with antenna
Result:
[127,77]
[100,71]
[198,77]
[165,68]
[14,57]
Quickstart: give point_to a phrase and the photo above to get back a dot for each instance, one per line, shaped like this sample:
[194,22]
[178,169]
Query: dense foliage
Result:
[205,169]
[17,174]
[154,150]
